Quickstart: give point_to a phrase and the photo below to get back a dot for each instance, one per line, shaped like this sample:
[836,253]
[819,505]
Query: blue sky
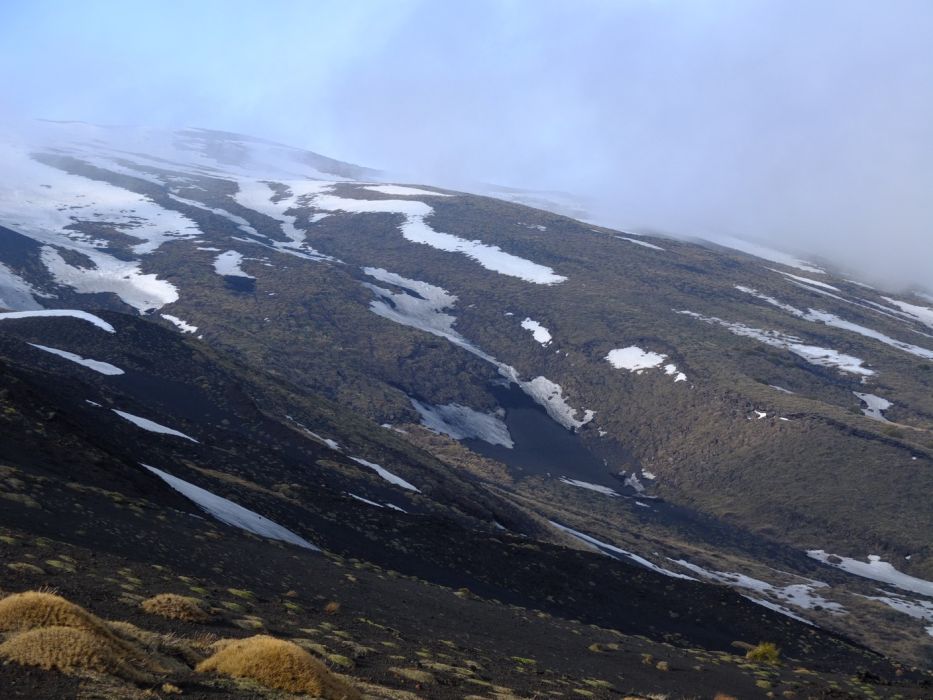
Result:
[808,124]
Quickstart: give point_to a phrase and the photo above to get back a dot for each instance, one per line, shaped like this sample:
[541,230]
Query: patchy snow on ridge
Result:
[538,332]
[60,313]
[228,512]
[403,191]
[386,474]
[415,229]
[917,609]
[462,422]
[588,486]
[823,357]
[643,244]
[615,552]
[874,569]
[424,310]
[874,405]
[828,319]
[16,293]
[920,313]
[143,292]
[96,365]
[765,253]
[228,264]
[151,425]
[800,595]
[183,326]
[806,280]
[634,359]
[259,195]
[240,222]
[41,202]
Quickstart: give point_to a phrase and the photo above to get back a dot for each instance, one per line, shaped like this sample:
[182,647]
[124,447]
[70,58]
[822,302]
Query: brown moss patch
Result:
[278,664]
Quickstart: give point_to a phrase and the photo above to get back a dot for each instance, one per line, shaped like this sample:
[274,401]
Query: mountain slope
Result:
[689,407]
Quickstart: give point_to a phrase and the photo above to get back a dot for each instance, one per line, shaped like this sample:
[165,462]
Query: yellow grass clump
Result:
[47,631]
[175,607]
[278,664]
[25,611]
[72,650]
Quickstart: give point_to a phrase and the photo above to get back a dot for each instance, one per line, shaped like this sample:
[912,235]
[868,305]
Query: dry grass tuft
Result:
[175,607]
[332,608]
[50,632]
[278,664]
[73,650]
[33,609]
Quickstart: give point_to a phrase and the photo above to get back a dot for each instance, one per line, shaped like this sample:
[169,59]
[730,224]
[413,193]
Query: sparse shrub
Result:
[175,607]
[766,652]
[241,593]
[24,567]
[250,622]
[277,664]
[414,674]
[723,696]
[663,666]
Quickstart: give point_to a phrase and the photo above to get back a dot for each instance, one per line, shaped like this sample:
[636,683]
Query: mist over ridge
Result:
[798,126]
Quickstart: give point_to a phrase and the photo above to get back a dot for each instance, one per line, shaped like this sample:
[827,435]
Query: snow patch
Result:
[424,310]
[765,253]
[874,405]
[96,365]
[462,422]
[15,292]
[875,569]
[415,229]
[823,357]
[799,595]
[144,292]
[386,474]
[826,318]
[150,425]
[920,313]
[615,552]
[587,485]
[538,332]
[60,313]
[634,359]
[183,326]
[228,265]
[228,512]
[258,196]
[643,244]
[807,280]
[402,191]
